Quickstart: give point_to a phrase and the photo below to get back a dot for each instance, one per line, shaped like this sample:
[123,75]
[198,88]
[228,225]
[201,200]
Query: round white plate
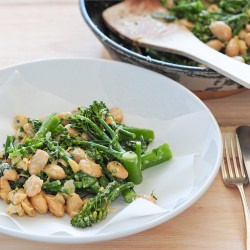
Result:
[148,100]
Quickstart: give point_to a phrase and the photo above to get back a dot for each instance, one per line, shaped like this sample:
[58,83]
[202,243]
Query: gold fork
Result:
[234,174]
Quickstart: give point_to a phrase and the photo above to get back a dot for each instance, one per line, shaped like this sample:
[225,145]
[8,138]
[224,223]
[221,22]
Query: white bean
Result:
[39,203]
[233,48]
[213,8]
[17,196]
[10,174]
[186,23]
[20,136]
[248,27]
[85,137]
[29,129]
[55,171]
[21,164]
[74,165]
[28,208]
[38,161]
[70,130]
[242,47]
[15,209]
[117,114]
[70,185]
[247,39]
[221,30]
[19,121]
[90,167]
[242,34]
[33,185]
[109,120]
[56,207]
[215,44]
[78,154]
[117,170]
[74,204]
[4,188]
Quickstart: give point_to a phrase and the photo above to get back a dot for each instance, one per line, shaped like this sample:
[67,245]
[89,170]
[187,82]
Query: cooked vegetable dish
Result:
[75,162]
[224,25]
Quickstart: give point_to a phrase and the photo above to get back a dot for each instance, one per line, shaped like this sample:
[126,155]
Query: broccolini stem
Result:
[120,130]
[146,134]
[48,125]
[138,152]
[8,145]
[113,134]
[86,144]
[130,161]
[55,187]
[129,195]
[156,156]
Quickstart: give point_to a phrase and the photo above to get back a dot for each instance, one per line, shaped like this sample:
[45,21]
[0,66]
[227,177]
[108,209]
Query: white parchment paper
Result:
[171,182]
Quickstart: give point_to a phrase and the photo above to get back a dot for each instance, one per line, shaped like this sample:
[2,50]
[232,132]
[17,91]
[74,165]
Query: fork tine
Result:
[223,169]
[234,159]
[229,165]
[243,173]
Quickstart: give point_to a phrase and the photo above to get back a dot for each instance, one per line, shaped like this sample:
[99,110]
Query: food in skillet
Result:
[76,163]
[222,25]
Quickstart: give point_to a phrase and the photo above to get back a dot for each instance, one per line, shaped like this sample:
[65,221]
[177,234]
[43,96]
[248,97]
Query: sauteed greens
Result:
[78,162]
[224,25]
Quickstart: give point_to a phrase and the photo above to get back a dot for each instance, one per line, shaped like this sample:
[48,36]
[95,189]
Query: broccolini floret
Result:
[96,208]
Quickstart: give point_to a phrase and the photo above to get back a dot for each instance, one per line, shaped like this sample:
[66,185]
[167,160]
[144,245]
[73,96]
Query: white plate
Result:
[148,100]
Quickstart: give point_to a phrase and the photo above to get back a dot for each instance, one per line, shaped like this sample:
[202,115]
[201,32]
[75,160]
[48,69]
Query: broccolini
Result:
[86,158]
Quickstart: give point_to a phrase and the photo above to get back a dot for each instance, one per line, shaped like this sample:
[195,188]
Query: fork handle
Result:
[246,213]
